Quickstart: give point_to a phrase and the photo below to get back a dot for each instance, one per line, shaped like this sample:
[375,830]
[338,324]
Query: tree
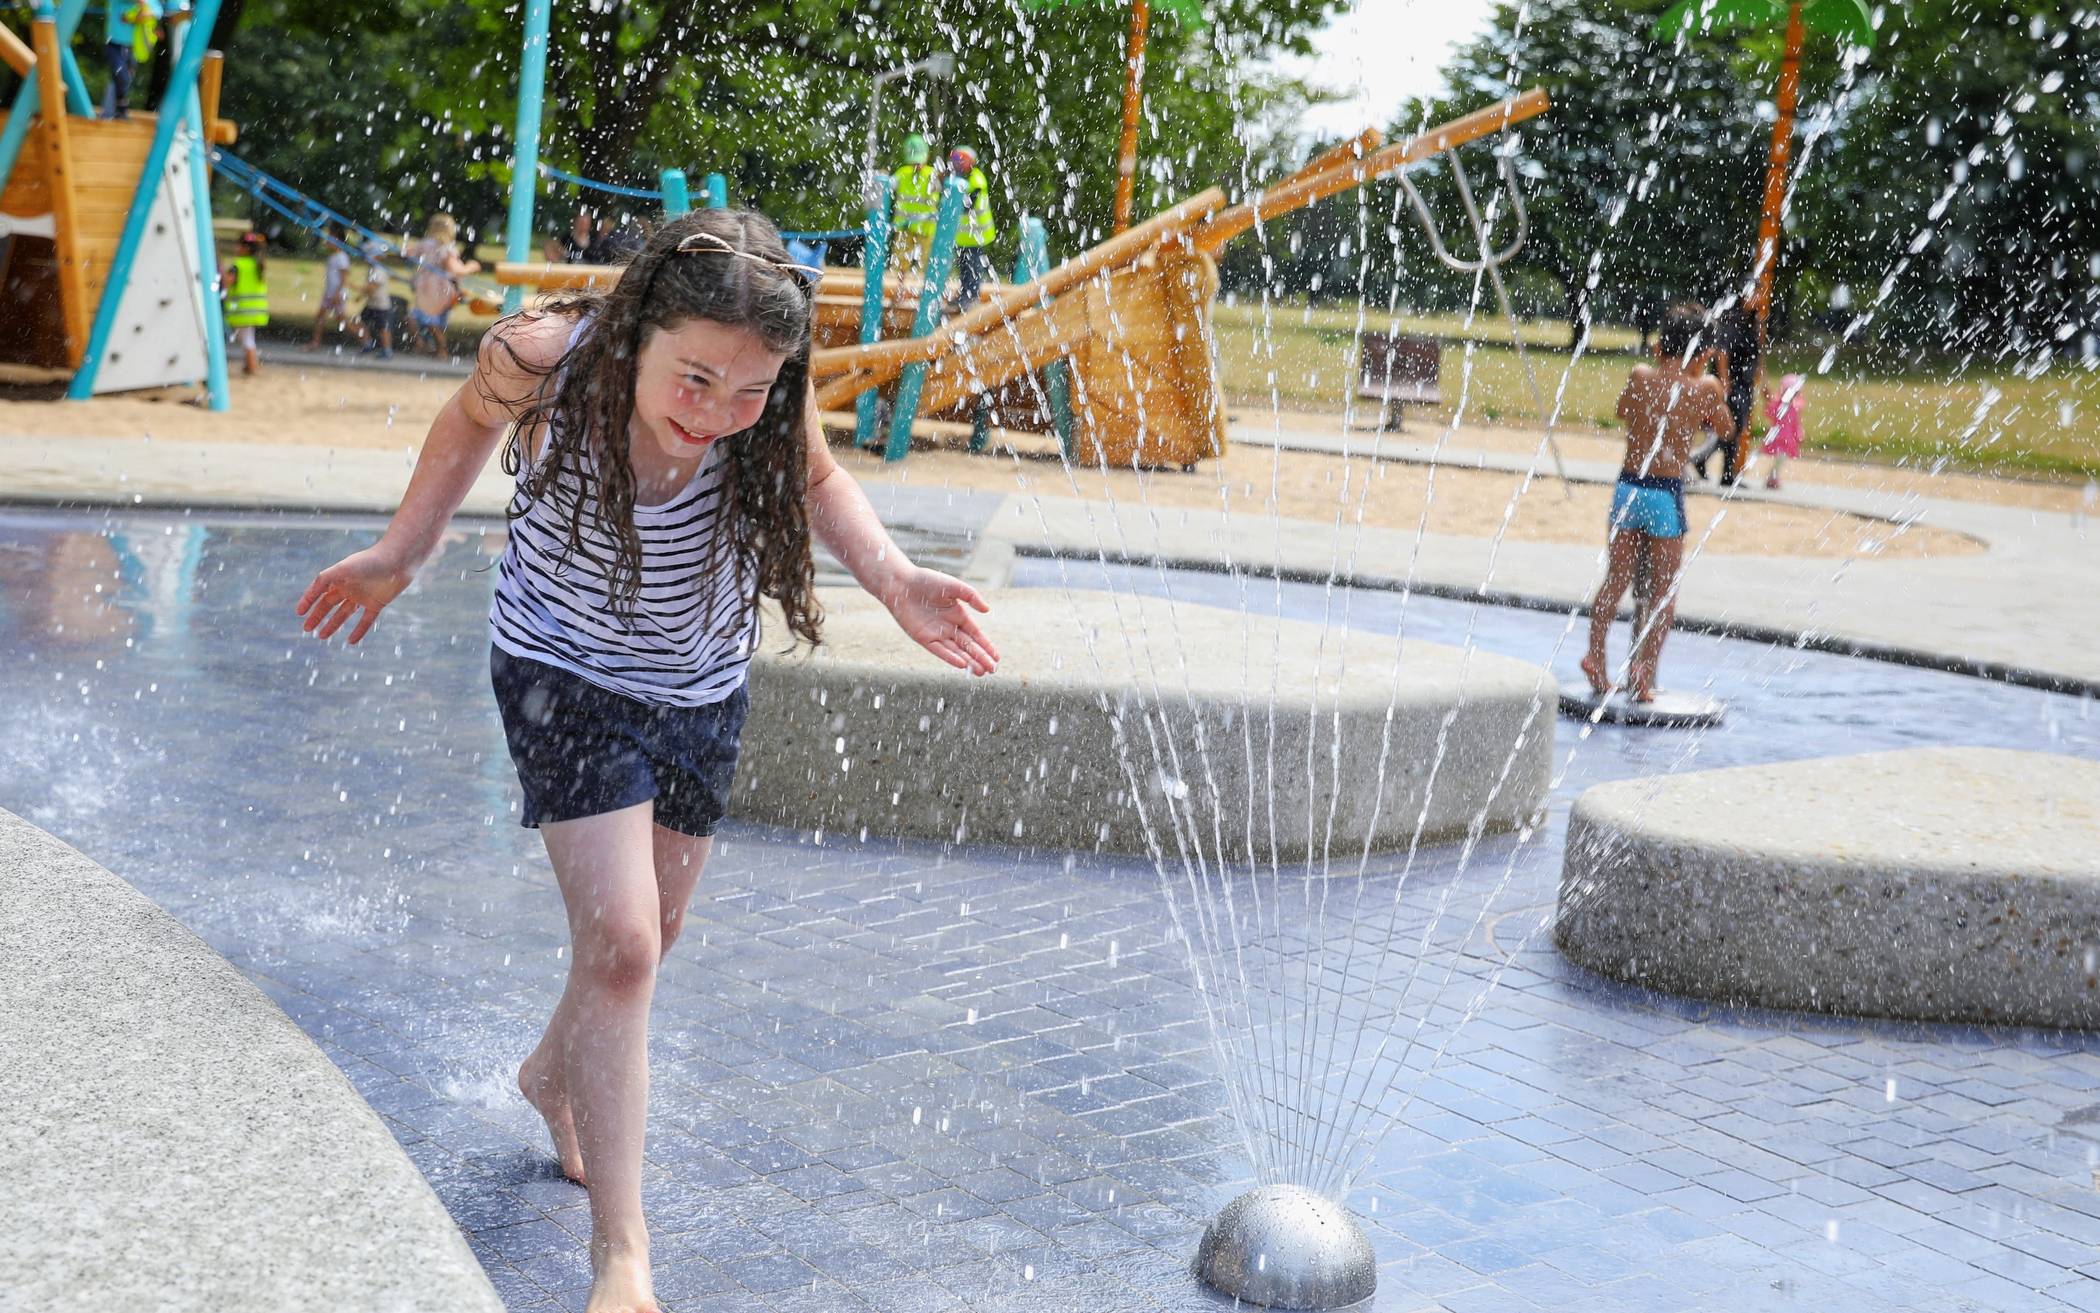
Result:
[1974,138]
[408,107]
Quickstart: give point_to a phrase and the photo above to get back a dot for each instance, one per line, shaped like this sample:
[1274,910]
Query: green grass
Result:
[2045,427]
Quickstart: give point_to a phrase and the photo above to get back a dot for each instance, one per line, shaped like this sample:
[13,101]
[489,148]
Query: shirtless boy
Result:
[1664,407]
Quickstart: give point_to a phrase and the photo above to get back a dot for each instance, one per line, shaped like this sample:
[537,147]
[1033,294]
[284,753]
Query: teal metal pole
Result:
[677,200]
[24,112]
[207,249]
[525,155]
[77,101]
[717,191]
[875,263]
[182,80]
[1032,262]
[1057,376]
[954,197]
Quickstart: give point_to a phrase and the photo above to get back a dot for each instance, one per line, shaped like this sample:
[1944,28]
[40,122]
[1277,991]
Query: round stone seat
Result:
[1943,884]
[1248,733]
[178,1143]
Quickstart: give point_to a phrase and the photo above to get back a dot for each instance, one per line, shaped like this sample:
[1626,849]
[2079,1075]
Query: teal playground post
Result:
[1032,263]
[77,101]
[182,82]
[875,262]
[207,262]
[1057,376]
[677,200]
[955,195]
[525,162]
[19,118]
[717,192]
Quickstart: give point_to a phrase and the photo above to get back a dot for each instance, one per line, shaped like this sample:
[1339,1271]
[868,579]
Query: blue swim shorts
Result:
[582,750]
[1648,505]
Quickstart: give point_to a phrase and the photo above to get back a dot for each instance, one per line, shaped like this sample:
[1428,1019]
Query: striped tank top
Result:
[691,636]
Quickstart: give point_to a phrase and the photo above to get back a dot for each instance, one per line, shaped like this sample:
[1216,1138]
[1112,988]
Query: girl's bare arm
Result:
[931,607]
[461,440]
[458,448]
[843,518]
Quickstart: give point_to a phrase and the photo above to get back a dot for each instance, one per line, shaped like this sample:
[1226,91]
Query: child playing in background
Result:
[335,288]
[436,281]
[129,26]
[1664,407]
[1783,441]
[670,473]
[247,297]
[375,320]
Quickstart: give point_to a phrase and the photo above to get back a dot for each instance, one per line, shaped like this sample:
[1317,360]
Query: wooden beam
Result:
[18,56]
[211,78]
[884,359]
[1303,189]
[58,171]
[1356,148]
[555,277]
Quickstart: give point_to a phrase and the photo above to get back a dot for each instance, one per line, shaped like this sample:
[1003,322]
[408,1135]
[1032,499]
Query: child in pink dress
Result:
[1783,440]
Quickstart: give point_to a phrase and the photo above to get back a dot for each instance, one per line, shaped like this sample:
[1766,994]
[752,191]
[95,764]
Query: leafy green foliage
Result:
[1944,201]
[396,110]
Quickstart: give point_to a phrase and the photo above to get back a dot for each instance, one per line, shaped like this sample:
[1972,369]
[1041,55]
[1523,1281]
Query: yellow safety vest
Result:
[248,300]
[918,199]
[977,227]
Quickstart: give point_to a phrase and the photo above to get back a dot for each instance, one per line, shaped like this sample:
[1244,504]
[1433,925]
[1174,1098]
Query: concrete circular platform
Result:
[173,1140]
[1232,726]
[1944,884]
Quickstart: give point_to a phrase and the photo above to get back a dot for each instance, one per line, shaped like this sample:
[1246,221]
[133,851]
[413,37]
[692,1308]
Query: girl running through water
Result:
[670,473]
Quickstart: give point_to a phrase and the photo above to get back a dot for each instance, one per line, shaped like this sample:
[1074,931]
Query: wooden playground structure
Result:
[106,263]
[1111,349]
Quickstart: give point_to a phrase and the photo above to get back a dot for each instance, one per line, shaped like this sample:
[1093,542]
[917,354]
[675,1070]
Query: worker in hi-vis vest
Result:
[246,295]
[918,201]
[974,239]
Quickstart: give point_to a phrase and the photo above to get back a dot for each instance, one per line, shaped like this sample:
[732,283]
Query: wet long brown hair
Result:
[739,276]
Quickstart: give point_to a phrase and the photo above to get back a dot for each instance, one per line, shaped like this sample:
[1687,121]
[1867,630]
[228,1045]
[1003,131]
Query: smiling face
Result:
[699,381]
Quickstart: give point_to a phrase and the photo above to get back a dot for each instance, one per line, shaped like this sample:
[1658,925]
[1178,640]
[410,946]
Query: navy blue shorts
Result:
[582,750]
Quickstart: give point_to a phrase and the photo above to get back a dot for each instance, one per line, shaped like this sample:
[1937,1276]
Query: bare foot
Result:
[620,1284]
[542,1088]
[1641,691]
[1593,670]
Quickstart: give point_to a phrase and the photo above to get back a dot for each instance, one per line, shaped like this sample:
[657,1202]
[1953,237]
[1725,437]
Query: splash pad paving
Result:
[912,1075]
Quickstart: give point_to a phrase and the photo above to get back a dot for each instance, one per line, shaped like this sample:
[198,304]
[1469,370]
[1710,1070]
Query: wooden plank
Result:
[211,77]
[556,277]
[1301,191]
[19,57]
[51,129]
[28,191]
[1149,395]
[992,360]
[1356,148]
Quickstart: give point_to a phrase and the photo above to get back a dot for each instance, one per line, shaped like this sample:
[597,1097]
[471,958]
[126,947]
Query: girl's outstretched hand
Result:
[934,609]
[362,581]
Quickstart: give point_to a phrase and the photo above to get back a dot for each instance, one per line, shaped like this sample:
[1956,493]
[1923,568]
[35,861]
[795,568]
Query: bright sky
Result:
[1380,52]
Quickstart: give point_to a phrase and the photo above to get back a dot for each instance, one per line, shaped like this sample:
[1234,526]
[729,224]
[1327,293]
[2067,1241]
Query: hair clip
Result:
[721,246]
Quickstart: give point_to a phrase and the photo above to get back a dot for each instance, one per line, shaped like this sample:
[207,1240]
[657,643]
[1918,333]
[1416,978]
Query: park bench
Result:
[1398,370]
